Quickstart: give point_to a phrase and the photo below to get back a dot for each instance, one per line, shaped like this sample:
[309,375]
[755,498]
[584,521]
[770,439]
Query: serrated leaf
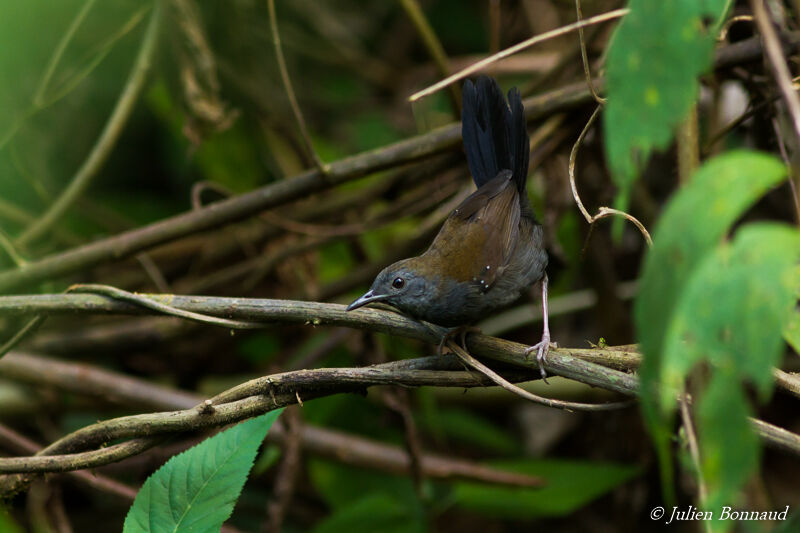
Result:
[196,490]
[373,512]
[570,485]
[655,57]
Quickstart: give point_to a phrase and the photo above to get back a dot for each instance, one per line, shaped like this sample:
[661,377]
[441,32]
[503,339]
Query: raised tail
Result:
[495,135]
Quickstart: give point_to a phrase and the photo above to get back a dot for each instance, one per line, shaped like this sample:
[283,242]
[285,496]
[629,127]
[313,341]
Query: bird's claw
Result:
[541,348]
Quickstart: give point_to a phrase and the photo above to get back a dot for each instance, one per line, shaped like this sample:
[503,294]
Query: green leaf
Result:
[734,309]
[570,485]
[731,314]
[7,524]
[692,224]
[373,512]
[468,429]
[342,486]
[729,447]
[655,57]
[792,332]
[197,489]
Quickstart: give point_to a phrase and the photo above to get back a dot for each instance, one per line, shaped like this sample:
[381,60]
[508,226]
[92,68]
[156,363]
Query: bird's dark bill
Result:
[368,297]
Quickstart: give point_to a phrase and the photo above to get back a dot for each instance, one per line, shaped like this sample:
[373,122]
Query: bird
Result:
[491,247]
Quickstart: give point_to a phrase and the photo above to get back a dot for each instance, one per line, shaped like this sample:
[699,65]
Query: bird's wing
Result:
[478,238]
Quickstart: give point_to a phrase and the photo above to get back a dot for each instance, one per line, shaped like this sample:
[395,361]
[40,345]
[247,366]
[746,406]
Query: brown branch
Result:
[353,450]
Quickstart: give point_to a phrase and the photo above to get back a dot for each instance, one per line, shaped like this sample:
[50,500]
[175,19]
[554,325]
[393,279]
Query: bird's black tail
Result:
[495,136]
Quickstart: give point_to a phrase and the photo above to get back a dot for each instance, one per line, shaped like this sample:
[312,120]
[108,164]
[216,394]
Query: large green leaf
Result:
[570,485]
[734,309]
[692,225]
[731,314]
[657,53]
[197,489]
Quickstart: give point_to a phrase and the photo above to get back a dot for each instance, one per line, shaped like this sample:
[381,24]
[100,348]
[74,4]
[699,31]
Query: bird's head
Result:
[401,285]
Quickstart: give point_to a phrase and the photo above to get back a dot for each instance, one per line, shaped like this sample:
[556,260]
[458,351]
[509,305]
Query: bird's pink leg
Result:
[542,347]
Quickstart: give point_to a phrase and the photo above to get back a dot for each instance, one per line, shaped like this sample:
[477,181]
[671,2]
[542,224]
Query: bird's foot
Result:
[541,348]
[462,332]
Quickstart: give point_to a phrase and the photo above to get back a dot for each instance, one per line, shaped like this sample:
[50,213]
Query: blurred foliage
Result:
[214,113]
[658,52]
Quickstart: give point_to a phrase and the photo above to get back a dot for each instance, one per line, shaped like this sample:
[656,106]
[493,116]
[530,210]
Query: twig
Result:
[287,85]
[151,303]
[475,67]
[38,98]
[151,269]
[694,450]
[603,211]
[288,472]
[29,327]
[108,138]
[772,47]
[11,251]
[585,58]
[791,167]
[549,402]
[434,47]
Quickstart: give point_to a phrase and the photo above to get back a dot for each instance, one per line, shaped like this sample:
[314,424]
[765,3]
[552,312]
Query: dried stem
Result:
[585,57]
[475,67]
[774,52]
[603,211]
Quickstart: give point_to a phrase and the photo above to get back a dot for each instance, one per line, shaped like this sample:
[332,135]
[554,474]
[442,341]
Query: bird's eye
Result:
[398,283]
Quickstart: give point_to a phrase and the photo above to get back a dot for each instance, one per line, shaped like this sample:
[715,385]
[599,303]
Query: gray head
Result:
[399,285]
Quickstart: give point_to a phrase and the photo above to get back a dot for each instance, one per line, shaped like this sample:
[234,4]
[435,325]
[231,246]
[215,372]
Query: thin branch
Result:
[603,211]
[434,47]
[108,138]
[585,58]
[11,251]
[791,167]
[475,67]
[29,327]
[772,47]
[522,393]
[694,449]
[287,85]
[11,440]
[151,303]
[38,98]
